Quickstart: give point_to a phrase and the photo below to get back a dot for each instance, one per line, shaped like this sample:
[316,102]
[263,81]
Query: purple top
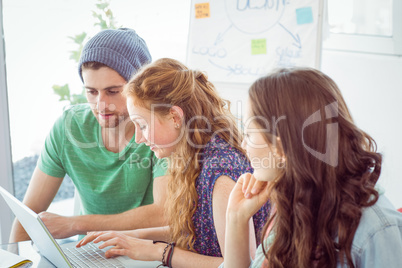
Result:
[218,159]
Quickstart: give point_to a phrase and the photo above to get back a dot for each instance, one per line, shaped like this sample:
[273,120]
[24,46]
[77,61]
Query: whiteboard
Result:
[237,41]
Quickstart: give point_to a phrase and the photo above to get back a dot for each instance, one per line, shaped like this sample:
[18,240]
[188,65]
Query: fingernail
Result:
[248,195]
[253,191]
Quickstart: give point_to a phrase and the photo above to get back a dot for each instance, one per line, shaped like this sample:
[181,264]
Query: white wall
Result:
[372,88]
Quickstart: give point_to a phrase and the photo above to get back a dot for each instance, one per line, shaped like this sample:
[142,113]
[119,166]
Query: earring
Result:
[177,126]
[282,162]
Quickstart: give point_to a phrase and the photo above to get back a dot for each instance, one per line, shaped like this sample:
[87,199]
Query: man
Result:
[121,184]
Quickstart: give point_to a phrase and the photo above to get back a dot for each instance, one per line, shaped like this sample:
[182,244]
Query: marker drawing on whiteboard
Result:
[265,14]
[211,51]
[295,37]
[239,69]
[219,38]
[287,55]
[267,4]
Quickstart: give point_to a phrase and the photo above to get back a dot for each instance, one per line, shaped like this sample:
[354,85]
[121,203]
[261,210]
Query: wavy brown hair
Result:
[330,172]
[170,83]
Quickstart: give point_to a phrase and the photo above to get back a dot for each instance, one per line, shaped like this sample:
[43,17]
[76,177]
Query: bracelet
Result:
[157,241]
[168,261]
[170,255]
[163,255]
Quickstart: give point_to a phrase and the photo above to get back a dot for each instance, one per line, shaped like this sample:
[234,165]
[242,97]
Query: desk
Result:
[27,250]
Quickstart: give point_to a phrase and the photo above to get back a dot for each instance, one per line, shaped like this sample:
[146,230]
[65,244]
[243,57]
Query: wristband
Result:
[164,263]
[170,255]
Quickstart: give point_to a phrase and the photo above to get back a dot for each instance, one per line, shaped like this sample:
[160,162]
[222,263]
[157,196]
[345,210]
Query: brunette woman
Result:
[320,175]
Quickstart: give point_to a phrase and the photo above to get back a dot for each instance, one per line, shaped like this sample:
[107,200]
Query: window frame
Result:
[6,170]
[391,45]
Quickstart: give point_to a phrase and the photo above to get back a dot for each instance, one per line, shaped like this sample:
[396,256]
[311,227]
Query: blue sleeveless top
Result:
[219,159]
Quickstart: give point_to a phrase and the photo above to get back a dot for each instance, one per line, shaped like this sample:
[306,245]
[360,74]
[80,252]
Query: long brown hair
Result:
[330,172]
[170,83]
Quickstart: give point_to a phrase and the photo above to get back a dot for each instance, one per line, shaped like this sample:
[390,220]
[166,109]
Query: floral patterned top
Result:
[219,159]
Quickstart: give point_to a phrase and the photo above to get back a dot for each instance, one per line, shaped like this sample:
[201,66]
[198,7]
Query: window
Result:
[37,58]
[5,152]
[369,26]
[37,49]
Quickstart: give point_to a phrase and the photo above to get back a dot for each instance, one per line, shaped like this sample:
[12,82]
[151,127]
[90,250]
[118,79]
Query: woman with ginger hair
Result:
[326,211]
[178,113]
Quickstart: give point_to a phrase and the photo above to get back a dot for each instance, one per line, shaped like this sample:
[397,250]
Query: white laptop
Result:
[65,255]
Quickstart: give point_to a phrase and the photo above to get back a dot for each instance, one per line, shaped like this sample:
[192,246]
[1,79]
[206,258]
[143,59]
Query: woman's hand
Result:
[92,235]
[123,244]
[247,197]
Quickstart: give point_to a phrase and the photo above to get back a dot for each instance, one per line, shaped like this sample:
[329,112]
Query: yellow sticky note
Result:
[258,46]
[202,11]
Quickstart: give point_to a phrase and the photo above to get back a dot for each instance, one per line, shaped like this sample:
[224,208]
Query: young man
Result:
[121,184]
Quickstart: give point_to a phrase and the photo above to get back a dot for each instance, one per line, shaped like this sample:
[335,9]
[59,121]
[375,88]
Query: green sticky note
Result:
[258,46]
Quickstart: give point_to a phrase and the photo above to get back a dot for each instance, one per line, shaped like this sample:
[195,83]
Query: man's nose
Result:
[102,102]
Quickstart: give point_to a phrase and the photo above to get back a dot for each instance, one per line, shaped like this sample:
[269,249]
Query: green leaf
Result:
[75,55]
[78,38]
[97,15]
[78,98]
[81,37]
[102,5]
[62,91]
[103,25]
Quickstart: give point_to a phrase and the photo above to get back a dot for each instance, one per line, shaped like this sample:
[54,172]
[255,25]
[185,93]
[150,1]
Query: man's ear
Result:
[177,114]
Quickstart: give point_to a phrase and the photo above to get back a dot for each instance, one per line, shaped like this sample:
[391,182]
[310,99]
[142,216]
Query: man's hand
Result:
[40,193]
[59,226]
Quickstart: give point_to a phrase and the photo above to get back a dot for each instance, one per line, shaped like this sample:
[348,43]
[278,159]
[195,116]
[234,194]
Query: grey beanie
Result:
[122,50]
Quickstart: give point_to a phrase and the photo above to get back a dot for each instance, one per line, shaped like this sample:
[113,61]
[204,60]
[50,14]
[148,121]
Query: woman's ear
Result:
[177,115]
[278,150]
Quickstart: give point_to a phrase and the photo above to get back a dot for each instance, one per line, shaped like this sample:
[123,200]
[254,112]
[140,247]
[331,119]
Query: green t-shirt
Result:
[107,182]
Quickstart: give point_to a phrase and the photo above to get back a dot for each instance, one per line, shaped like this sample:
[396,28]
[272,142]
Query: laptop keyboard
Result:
[90,256]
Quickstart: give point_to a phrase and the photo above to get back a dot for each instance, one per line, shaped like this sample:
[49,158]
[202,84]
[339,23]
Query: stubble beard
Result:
[112,123]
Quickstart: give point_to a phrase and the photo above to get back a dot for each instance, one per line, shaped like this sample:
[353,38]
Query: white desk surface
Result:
[27,250]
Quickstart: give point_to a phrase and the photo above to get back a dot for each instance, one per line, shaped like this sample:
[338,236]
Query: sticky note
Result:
[304,15]
[258,46]
[202,11]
